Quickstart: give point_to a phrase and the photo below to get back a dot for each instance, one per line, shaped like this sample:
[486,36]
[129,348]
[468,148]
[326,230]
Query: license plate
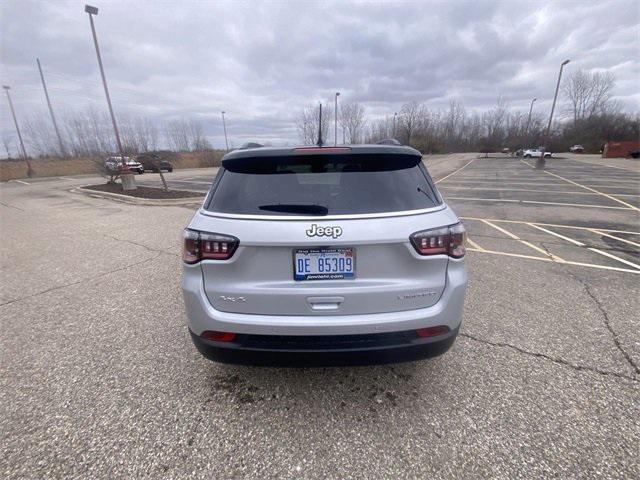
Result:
[324,264]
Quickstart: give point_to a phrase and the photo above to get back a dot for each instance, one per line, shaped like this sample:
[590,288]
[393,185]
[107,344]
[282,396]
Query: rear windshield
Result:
[323,185]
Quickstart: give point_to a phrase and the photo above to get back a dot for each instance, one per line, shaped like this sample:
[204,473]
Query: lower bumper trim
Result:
[332,350]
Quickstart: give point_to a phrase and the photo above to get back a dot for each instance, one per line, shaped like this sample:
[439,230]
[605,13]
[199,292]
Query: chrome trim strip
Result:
[321,219]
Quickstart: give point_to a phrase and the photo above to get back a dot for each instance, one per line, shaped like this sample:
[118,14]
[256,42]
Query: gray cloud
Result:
[262,62]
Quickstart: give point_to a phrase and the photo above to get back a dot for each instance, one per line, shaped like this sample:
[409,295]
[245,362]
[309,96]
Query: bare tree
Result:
[409,119]
[7,141]
[590,94]
[352,121]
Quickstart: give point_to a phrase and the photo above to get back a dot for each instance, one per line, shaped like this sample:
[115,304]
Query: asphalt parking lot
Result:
[100,379]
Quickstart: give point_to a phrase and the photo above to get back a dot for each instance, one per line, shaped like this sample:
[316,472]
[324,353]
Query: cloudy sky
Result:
[262,62]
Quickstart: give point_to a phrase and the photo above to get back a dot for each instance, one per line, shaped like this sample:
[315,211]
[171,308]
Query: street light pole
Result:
[395,116]
[541,162]
[15,121]
[224,125]
[128,181]
[53,117]
[529,119]
[335,130]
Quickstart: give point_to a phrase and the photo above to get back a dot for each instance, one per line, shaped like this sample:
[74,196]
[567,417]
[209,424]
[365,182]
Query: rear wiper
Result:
[425,193]
[296,208]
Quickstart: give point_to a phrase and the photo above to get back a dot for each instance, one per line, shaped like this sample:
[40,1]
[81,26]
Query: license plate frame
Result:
[323,276]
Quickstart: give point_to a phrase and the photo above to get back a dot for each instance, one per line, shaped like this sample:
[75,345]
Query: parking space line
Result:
[451,174]
[474,245]
[607,254]
[566,262]
[190,181]
[592,249]
[530,190]
[587,188]
[550,225]
[624,240]
[524,242]
[20,181]
[511,200]
[570,240]
[502,181]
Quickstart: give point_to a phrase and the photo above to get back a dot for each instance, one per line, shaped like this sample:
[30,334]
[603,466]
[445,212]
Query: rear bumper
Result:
[331,350]
[201,315]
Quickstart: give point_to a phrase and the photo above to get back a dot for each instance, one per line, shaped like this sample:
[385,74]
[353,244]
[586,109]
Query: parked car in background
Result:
[535,153]
[577,149]
[635,154]
[114,164]
[154,162]
[505,150]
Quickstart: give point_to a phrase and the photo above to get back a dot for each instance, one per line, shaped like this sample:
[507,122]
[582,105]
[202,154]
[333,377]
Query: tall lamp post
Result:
[53,117]
[128,180]
[224,125]
[395,116]
[335,129]
[541,162]
[15,121]
[529,119]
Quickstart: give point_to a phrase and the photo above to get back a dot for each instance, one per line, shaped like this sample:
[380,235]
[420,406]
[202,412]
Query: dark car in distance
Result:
[153,162]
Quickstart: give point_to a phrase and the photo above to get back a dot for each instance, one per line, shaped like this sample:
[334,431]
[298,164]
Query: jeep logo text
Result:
[317,231]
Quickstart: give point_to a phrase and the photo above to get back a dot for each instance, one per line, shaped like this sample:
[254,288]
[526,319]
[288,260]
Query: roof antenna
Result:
[320,126]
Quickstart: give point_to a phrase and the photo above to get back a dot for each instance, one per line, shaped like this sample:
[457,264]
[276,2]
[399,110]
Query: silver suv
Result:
[323,255]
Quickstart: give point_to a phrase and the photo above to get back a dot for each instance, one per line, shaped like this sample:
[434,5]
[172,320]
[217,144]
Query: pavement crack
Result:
[559,361]
[11,206]
[603,312]
[130,242]
[88,279]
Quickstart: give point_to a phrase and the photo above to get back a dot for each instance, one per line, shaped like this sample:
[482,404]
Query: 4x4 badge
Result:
[316,231]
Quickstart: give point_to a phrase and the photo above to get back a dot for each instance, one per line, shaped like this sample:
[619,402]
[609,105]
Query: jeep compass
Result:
[323,255]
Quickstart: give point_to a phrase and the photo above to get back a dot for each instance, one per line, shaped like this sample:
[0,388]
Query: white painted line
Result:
[579,264]
[632,207]
[524,242]
[600,232]
[549,225]
[607,254]
[20,181]
[580,244]
[525,190]
[474,244]
[66,178]
[570,240]
[510,200]
[451,174]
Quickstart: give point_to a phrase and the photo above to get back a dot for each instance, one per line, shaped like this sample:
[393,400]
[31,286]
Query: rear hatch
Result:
[323,235]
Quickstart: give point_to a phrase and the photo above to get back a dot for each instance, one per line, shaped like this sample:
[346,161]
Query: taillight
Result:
[446,240]
[207,246]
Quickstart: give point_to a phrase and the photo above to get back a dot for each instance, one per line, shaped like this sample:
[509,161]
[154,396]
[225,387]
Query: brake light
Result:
[317,150]
[207,246]
[218,336]
[446,240]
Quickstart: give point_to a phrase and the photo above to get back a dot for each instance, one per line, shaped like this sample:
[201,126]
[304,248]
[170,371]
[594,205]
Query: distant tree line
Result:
[590,117]
[89,133]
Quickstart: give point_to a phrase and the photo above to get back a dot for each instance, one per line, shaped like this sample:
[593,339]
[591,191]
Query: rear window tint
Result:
[323,185]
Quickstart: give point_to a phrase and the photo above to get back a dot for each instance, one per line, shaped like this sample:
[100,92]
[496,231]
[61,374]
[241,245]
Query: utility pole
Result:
[320,125]
[15,120]
[335,130]
[224,125]
[128,180]
[541,162]
[53,117]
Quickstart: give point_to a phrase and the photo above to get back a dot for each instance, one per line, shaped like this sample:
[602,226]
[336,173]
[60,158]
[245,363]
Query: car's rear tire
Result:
[527,155]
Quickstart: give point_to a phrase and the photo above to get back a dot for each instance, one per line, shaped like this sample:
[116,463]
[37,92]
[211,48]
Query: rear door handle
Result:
[325,303]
